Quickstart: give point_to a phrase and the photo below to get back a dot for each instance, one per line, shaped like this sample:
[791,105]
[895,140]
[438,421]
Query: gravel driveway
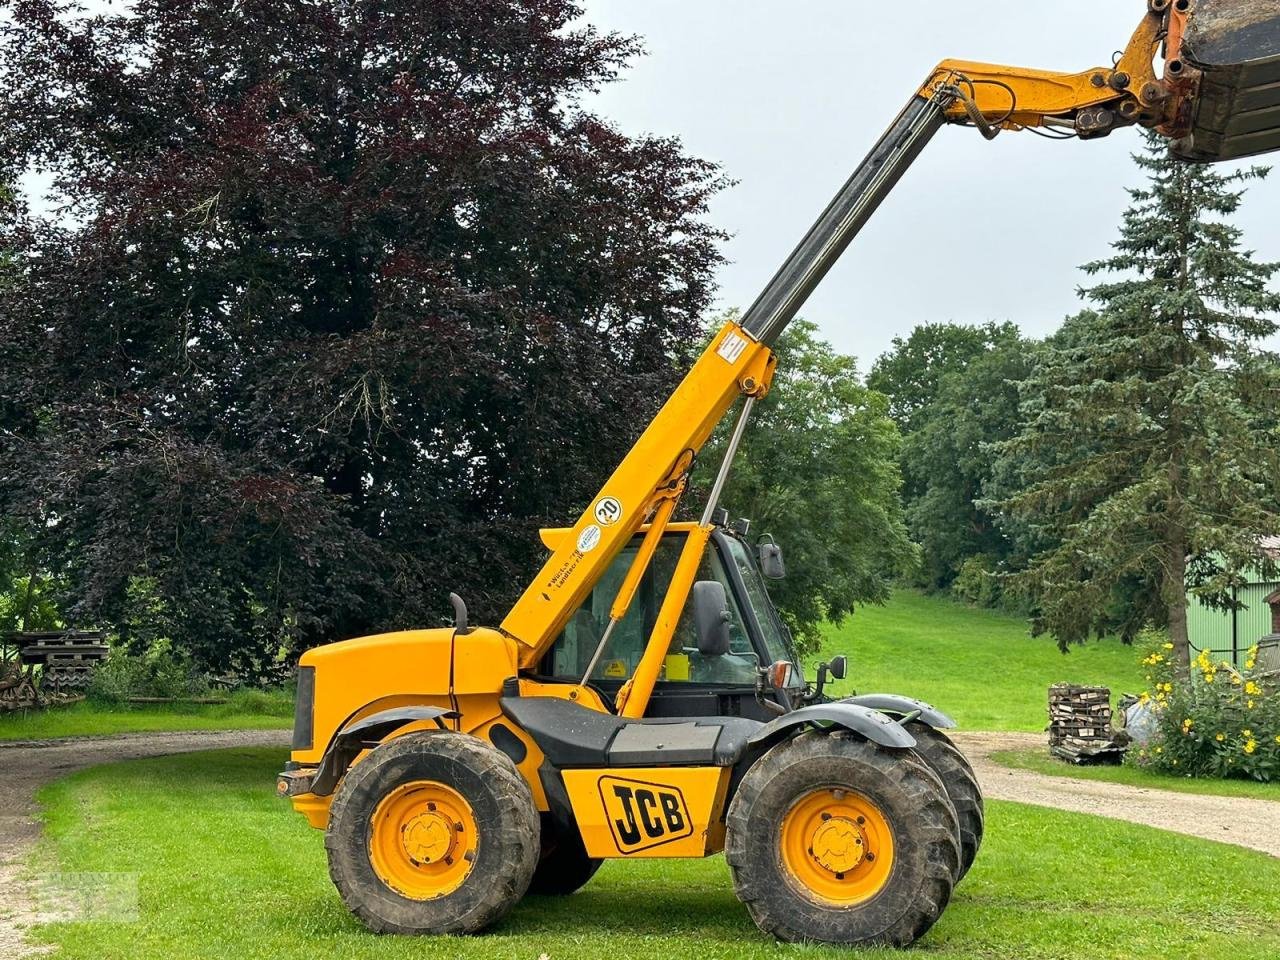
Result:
[27,766]
[1245,822]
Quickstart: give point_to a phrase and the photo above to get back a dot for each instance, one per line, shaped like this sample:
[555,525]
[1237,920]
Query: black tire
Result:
[564,867]
[910,798]
[952,767]
[505,851]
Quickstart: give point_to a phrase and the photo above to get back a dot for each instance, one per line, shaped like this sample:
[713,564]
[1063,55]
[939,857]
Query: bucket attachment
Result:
[1235,111]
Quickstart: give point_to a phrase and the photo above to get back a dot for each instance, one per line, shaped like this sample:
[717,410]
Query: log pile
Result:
[1080,725]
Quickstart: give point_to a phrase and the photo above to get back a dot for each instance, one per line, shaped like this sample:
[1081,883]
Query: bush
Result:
[977,582]
[1220,722]
[159,672]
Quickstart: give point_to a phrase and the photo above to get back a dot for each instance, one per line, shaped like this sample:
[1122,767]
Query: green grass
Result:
[244,710]
[980,666]
[225,870]
[1041,762]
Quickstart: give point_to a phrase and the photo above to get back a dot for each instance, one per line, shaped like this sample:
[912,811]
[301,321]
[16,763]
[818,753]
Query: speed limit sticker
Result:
[608,511]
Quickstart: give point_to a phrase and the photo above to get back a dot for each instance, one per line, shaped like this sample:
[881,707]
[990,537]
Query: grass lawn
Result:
[224,869]
[244,710]
[980,666]
[1041,762]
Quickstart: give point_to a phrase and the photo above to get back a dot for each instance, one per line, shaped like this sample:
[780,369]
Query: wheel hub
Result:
[429,837]
[423,838]
[838,845]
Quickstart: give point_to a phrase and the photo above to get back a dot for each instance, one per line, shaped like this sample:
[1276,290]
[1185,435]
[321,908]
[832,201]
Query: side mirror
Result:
[771,558]
[838,666]
[711,617]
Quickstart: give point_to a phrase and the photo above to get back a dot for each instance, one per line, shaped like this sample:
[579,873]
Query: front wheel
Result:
[432,832]
[834,839]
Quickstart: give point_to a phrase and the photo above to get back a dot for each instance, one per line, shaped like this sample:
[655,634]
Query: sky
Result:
[788,95]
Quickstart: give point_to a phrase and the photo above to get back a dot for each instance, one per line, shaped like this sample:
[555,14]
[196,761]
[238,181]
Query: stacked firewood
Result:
[1080,724]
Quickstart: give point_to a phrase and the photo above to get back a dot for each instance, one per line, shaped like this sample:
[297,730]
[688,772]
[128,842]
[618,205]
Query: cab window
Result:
[576,644]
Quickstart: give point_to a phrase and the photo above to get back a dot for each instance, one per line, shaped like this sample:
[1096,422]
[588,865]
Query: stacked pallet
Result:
[68,658]
[1080,725]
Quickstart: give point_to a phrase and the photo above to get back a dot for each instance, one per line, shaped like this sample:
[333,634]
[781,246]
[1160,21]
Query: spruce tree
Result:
[1150,452]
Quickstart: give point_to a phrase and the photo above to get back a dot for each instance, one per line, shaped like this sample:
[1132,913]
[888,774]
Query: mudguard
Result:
[875,726]
[893,703]
[351,739]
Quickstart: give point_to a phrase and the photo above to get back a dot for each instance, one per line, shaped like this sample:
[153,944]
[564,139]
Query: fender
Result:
[875,726]
[893,703]
[366,732]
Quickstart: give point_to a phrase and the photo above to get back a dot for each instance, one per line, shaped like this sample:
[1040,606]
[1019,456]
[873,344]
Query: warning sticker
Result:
[608,511]
[615,668]
[588,539]
[731,347]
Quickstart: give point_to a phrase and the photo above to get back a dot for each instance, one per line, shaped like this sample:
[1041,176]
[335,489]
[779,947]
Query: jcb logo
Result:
[644,815]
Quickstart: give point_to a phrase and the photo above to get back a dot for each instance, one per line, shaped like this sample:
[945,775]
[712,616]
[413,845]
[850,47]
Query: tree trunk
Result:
[1175,593]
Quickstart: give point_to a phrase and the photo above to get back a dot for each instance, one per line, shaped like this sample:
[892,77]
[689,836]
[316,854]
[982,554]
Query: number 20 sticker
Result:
[608,511]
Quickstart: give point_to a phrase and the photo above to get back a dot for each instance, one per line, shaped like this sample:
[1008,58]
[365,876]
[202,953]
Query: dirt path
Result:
[27,766]
[1238,820]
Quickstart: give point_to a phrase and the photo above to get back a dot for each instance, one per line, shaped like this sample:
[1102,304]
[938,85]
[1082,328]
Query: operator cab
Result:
[692,683]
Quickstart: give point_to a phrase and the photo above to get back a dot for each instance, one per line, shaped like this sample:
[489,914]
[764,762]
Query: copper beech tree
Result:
[327,306]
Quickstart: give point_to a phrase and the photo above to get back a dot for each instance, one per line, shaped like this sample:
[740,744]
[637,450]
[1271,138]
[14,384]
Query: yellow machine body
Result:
[679,811]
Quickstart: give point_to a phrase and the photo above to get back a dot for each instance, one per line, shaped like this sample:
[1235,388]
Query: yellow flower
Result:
[1159,749]
[1168,646]
[1220,737]
[1144,697]
[1246,733]
[1250,746]
[1278,739]
[1187,724]
[1249,704]
[1235,679]
[1252,689]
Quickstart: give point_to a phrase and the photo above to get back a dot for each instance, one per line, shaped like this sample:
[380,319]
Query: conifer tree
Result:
[1149,457]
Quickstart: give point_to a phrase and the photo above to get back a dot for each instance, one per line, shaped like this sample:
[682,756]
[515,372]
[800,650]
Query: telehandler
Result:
[641,699]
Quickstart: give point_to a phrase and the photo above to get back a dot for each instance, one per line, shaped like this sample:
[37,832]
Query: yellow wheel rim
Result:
[837,847]
[422,840]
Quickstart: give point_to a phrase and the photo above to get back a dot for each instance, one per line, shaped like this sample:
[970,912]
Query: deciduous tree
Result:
[335,305]
[818,469]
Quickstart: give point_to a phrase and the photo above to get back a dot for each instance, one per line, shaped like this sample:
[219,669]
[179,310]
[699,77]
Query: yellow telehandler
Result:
[641,698]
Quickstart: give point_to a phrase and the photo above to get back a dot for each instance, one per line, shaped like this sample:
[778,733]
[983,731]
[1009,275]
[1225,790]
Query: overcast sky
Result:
[788,95]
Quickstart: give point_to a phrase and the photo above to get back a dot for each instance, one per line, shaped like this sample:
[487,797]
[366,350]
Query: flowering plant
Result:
[1217,722]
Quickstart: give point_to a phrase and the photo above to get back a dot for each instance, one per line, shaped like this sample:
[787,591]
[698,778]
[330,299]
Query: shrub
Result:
[1220,722]
[976,582]
[159,672]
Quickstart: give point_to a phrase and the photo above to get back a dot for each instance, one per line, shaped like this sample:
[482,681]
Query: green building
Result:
[1228,634]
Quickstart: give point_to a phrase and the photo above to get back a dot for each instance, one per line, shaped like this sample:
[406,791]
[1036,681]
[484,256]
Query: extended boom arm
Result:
[738,362]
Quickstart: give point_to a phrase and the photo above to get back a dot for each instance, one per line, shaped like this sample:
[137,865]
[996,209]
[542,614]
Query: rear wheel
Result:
[432,832]
[952,767]
[834,839]
[564,868]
